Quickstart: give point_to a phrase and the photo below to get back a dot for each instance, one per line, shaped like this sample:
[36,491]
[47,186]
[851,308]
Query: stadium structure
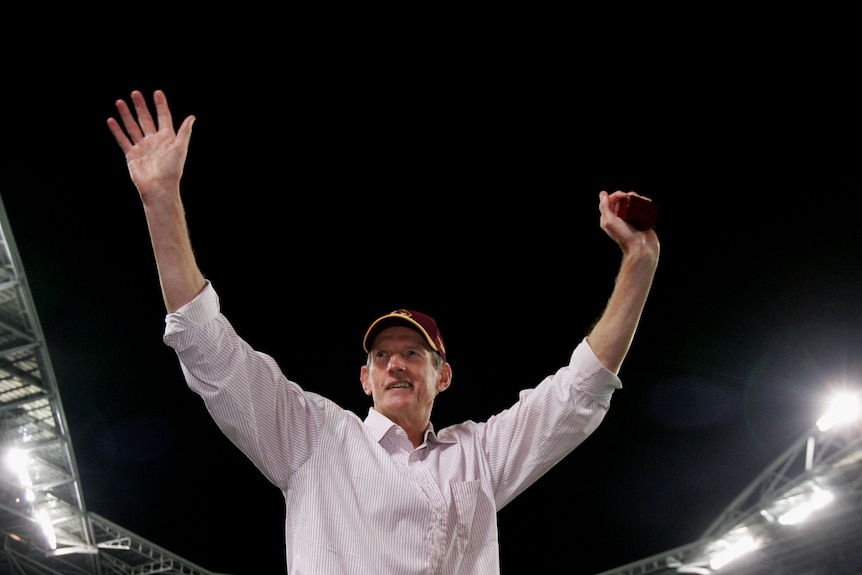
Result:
[45,527]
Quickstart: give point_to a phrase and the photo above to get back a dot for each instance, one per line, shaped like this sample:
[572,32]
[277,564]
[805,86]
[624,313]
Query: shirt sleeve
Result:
[270,418]
[547,422]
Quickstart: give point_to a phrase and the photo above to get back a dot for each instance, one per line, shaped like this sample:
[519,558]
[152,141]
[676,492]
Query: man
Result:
[388,494]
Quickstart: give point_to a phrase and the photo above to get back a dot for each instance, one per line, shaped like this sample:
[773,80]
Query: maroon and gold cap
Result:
[419,321]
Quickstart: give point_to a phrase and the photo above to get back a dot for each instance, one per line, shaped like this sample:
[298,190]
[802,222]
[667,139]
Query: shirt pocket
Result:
[465,496]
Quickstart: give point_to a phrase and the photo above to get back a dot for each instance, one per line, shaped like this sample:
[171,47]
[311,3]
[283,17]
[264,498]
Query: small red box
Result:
[639,212]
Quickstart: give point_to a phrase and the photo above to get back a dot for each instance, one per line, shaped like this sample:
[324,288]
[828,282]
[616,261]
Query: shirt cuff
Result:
[598,379]
[199,311]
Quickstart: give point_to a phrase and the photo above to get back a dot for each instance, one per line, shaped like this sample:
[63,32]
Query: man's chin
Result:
[398,402]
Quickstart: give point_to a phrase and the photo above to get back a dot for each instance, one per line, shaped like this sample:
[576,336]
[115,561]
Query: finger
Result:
[129,121]
[614,200]
[145,119]
[119,135]
[163,111]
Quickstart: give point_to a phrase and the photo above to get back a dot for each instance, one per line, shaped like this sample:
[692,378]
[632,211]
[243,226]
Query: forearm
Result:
[180,277]
[612,335]
[155,156]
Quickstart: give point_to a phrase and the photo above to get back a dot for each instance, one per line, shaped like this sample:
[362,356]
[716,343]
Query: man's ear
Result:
[364,378]
[444,379]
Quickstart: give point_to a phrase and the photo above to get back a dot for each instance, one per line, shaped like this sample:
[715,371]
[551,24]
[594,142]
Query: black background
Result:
[335,176]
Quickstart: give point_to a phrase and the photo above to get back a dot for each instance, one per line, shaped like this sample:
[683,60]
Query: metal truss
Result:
[45,528]
[829,543]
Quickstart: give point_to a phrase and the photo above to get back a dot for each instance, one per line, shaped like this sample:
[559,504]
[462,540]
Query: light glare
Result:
[843,408]
[801,511]
[733,551]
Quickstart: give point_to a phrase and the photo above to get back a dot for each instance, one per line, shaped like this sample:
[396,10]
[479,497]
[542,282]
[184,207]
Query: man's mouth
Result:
[400,385]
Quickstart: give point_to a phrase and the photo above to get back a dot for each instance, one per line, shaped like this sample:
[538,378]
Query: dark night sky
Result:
[324,191]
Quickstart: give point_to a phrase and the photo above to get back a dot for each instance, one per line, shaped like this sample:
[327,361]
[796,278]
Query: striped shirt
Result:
[360,499]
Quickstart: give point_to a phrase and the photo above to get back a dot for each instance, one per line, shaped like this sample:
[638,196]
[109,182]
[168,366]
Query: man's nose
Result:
[396,362]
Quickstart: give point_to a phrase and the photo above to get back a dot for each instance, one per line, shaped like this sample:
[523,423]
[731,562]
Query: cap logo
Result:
[440,345]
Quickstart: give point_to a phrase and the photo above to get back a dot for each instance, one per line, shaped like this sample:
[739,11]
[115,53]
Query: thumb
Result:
[185,132]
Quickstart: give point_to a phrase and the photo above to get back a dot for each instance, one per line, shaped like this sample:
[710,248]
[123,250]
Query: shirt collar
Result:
[378,425]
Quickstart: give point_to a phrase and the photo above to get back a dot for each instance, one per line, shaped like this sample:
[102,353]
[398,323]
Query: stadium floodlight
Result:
[694,570]
[733,552]
[17,460]
[44,520]
[731,547]
[843,408]
[803,509]
[798,505]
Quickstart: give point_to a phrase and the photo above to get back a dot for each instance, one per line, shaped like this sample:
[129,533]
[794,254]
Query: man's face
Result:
[402,378]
